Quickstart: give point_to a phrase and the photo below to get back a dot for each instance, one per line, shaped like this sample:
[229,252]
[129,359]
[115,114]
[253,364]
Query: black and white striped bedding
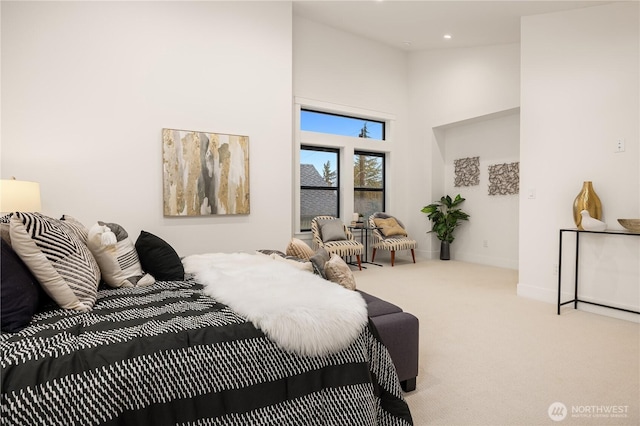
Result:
[168,354]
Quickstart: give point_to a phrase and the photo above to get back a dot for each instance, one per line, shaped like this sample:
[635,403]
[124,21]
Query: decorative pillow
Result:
[61,263]
[320,257]
[158,258]
[73,226]
[299,248]
[4,227]
[117,257]
[294,261]
[19,290]
[390,227]
[339,272]
[332,230]
[269,252]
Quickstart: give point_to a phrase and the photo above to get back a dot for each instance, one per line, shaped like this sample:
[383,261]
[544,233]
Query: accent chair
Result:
[386,236]
[332,234]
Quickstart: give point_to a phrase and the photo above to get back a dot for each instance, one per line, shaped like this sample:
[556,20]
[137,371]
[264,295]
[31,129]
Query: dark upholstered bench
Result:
[399,333]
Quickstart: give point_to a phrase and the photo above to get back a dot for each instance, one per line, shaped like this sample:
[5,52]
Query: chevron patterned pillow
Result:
[299,248]
[62,264]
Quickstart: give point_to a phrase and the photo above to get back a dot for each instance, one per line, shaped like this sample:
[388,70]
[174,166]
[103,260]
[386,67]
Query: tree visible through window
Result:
[336,124]
[319,184]
[368,182]
[320,175]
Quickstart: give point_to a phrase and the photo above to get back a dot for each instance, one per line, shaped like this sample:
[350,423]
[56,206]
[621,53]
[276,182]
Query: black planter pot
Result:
[444,250]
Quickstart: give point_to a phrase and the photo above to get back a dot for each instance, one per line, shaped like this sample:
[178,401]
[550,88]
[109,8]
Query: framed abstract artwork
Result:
[467,171]
[504,179]
[204,173]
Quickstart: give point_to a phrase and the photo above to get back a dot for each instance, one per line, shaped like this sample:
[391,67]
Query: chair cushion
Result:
[396,243]
[332,230]
[390,227]
[345,247]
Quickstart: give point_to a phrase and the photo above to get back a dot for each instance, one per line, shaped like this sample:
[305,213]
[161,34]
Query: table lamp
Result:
[19,196]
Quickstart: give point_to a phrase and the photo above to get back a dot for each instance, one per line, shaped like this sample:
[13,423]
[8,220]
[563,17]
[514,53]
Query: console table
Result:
[575,299]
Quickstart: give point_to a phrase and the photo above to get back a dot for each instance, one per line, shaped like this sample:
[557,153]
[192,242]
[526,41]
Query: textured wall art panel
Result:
[504,179]
[204,173]
[467,171]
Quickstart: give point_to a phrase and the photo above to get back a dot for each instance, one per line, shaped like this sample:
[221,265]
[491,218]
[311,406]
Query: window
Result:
[368,182]
[342,152]
[319,184]
[324,122]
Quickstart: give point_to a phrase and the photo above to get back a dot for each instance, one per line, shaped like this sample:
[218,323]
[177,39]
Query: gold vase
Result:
[587,200]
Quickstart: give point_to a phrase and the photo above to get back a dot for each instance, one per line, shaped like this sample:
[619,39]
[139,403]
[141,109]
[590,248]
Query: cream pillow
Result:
[339,272]
[299,248]
[117,257]
[390,227]
[74,227]
[59,260]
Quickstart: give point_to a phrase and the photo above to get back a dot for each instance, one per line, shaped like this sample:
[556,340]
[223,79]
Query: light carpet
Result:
[489,357]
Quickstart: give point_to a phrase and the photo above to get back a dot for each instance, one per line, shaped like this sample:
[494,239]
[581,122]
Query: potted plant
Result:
[446,217]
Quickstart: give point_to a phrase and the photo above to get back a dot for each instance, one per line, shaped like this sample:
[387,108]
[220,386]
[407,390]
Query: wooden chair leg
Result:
[393,256]
[413,254]
[373,255]
[359,263]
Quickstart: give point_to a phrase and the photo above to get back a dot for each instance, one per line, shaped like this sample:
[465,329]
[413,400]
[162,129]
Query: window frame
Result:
[336,188]
[383,189]
[383,123]
[347,145]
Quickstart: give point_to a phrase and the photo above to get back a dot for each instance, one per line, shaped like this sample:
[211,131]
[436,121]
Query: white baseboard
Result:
[551,296]
[537,293]
[498,262]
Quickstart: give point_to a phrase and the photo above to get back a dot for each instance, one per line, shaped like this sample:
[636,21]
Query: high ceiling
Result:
[420,25]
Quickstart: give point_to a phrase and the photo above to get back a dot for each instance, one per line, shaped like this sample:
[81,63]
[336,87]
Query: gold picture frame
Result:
[205,173]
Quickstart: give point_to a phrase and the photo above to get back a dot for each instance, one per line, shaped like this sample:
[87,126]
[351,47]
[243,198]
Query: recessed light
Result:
[447,36]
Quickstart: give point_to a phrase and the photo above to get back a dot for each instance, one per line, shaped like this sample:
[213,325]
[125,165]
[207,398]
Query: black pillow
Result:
[20,292]
[158,258]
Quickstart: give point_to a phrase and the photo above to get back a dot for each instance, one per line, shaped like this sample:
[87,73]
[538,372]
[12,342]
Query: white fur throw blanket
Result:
[302,312]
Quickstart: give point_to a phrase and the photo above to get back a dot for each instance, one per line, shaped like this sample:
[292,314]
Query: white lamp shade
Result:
[19,196]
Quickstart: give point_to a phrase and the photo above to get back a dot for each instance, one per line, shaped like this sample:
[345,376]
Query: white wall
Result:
[88,86]
[448,87]
[580,92]
[490,237]
[345,70]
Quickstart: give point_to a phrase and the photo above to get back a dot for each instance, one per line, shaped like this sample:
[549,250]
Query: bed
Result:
[170,353]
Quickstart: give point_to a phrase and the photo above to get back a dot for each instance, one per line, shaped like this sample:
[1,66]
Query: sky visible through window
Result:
[337,125]
[318,159]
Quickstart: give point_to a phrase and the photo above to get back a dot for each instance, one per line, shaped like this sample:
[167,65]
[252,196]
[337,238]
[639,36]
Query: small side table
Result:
[575,299]
[364,239]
